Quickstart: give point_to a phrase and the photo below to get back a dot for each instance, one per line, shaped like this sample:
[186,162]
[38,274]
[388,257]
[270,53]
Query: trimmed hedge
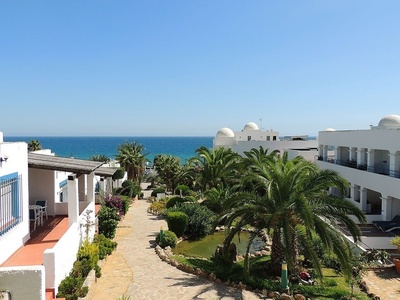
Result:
[177,222]
[108,221]
[173,201]
[182,188]
[169,239]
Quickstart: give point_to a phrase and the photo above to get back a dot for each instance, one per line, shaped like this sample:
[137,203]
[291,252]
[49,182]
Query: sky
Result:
[189,68]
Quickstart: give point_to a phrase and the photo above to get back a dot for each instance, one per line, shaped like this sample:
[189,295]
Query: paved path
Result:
[384,283]
[135,270]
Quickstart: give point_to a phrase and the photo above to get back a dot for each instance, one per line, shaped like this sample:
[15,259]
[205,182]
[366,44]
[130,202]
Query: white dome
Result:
[390,121]
[330,129]
[225,132]
[250,126]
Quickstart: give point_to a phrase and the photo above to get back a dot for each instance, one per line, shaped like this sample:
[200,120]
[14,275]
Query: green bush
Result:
[200,219]
[71,288]
[106,246]
[177,222]
[90,252]
[157,207]
[190,199]
[171,202]
[130,188]
[169,239]
[182,190]
[108,221]
[157,191]
[126,202]
[119,173]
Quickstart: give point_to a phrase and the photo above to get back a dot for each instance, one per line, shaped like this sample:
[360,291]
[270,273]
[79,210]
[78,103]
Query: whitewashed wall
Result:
[59,260]
[17,161]
[24,282]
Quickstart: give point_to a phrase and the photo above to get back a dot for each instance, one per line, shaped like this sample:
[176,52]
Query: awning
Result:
[78,166]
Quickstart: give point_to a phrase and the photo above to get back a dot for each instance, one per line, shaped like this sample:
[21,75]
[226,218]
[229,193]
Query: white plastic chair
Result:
[43,204]
[35,215]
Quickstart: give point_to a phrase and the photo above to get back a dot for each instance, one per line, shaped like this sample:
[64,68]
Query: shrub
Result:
[90,252]
[106,246]
[129,188]
[157,191]
[190,199]
[182,190]
[157,207]
[117,203]
[200,219]
[126,202]
[171,202]
[108,221]
[71,288]
[119,173]
[169,239]
[177,222]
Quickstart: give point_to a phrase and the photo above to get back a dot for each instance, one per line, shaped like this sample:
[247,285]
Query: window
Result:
[10,202]
[268,138]
[274,138]
[249,138]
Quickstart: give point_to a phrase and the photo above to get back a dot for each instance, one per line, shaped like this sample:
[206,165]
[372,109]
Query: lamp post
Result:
[284,277]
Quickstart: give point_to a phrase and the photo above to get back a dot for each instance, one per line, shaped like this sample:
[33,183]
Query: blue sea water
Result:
[84,147]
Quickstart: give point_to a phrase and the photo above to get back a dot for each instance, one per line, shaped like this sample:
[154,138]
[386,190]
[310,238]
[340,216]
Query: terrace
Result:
[43,238]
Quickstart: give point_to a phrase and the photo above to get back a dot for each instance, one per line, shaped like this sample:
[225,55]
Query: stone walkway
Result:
[135,270]
[384,283]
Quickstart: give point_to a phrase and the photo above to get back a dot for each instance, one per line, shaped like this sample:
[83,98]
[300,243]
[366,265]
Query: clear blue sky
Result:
[189,68]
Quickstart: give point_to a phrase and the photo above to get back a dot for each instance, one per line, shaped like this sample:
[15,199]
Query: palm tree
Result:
[290,200]
[34,145]
[100,158]
[215,167]
[168,168]
[131,157]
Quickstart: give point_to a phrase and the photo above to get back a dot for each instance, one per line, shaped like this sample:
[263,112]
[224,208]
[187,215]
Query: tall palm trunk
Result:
[277,252]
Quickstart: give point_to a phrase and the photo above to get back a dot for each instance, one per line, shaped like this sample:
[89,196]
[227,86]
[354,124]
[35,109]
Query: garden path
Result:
[135,270]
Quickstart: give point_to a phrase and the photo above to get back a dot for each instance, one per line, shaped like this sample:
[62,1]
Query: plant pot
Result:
[397,265]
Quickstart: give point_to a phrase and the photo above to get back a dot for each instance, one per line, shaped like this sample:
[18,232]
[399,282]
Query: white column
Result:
[90,187]
[387,208]
[325,153]
[102,185]
[363,199]
[353,154]
[73,200]
[371,160]
[82,187]
[338,155]
[361,156]
[393,165]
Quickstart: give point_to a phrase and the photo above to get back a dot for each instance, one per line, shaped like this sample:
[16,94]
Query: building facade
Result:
[253,137]
[370,160]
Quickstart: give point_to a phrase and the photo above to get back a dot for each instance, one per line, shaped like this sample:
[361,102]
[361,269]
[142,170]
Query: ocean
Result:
[85,147]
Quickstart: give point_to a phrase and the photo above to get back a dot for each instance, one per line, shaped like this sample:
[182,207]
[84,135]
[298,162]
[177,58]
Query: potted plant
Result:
[396,242]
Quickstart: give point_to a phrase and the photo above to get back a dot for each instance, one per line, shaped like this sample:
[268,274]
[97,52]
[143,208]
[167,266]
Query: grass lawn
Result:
[334,286]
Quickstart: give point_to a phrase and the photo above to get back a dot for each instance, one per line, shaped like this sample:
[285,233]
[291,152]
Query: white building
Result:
[370,160]
[253,137]
[27,177]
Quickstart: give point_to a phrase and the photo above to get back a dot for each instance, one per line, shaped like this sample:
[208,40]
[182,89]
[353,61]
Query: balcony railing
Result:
[362,167]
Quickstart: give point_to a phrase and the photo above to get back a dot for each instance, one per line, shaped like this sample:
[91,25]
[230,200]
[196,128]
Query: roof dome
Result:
[225,132]
[390,121]
[330,129]
[250,126]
